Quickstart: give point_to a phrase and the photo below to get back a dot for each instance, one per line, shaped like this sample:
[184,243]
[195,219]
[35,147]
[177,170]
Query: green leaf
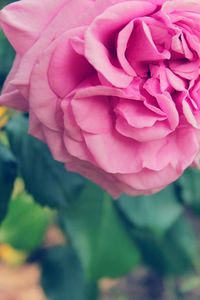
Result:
[98,235]
[62,275]
[5,2]
[25,224]
[46,179]
[176,252]
[8,172]
[157,213]
[190,188]
[6,54]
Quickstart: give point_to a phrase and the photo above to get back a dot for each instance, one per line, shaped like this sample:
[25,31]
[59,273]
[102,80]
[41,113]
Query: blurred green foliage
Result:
[44,177]
[189,188]
[69,282]
[4,3]
[8,173]
[105,238]
[31,220]
[95,229]
[155,213]
[6,56]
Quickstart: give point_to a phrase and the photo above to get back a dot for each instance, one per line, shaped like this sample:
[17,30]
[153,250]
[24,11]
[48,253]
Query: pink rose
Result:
[111,86]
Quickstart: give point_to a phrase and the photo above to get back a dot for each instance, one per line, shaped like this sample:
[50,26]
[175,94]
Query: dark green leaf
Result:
[96,231]
[62,275]
[8,172]
[156,213]
[5,2]
[46,179]
[190,188]
[174,253]
[25,224]
[6,54]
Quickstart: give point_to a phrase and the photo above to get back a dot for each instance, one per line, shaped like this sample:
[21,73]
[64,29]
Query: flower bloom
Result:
[111,86]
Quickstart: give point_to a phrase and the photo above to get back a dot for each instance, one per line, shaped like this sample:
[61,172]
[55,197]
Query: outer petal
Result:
[105,180]
[43,102]
[148,181]
[113,152]
[109,182]
[11,97]
[34,40]
[14,100]
[24,21]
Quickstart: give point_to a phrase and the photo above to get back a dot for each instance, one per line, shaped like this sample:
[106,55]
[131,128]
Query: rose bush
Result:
[111,86]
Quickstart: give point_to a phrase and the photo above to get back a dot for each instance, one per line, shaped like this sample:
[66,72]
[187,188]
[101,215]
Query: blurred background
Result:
[64,238]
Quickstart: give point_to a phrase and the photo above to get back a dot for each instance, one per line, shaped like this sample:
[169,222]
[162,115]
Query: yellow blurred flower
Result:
[11,256]
[3,116]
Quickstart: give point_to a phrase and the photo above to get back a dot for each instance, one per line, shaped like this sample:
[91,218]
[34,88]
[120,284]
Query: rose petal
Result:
[92,114]
[144,49]
[146,134]
[176,82]
[113,153]
[86,11]
[165,102]
[122,42]
[26,20]
[62,73]
[136,114]
[42,99]
[112,19]
[188,70]
[71,127]
[189,114]
[10,96]
[77,149]
[15,100]
[148,181]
